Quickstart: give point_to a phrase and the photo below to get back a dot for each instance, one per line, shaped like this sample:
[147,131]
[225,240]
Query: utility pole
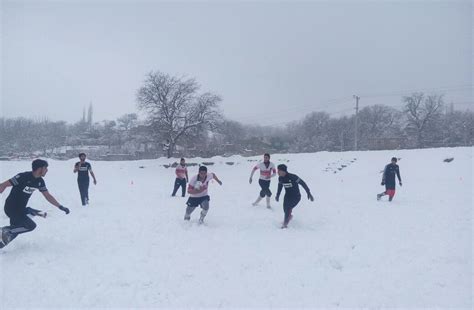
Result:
[356,121]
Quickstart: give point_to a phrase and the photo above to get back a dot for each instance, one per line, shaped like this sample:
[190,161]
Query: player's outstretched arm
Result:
[54,202]
[280,187]
[93,176]
[251,174]
[4,185]
[217,179]
[306,188]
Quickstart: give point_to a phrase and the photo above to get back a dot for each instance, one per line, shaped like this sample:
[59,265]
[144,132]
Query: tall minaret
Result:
[89,114]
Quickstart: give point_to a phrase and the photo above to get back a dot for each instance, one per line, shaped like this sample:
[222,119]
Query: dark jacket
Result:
[389,175]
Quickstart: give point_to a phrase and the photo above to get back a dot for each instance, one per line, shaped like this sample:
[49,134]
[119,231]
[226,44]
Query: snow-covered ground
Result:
[131,247]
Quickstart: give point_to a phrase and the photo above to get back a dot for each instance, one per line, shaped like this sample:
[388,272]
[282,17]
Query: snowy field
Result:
[131,247]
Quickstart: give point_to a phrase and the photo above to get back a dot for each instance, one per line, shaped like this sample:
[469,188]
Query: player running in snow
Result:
[181,178]
[23,185]
[198,195]
[267,171]
[388,179]
[292,197]
[83,168]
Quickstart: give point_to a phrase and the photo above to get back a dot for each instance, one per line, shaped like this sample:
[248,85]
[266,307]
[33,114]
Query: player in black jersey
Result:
[83,168]
[388,179]
[292,197]
[23,185]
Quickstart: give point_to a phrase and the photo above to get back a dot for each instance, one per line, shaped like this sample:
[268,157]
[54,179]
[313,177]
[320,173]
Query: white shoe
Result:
[257,201]
[268,202]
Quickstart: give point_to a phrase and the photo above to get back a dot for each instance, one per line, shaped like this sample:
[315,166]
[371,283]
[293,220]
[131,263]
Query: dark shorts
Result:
[289,202]
[19,219]
[196,201]
[13,211]
[265,185]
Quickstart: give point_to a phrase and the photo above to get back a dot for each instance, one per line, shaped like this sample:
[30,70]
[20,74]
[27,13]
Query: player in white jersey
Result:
[267,171]
[181,178]
[198,196]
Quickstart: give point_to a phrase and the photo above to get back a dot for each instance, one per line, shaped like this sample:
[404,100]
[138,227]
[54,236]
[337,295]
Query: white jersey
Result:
[181,172]
[194,183]
[266,173]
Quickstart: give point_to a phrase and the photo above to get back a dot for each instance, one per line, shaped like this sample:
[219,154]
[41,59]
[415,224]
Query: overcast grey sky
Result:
[270,61]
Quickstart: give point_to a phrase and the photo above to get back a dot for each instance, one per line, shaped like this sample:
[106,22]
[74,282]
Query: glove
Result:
[250,181]
[383,183]
[66,210]
[400,183]
[310,197]
[277,198]
[220,182]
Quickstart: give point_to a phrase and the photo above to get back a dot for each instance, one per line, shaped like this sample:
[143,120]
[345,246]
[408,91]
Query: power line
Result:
[343,100]
[464,103]
[340,111]
[405,92]
[301,108]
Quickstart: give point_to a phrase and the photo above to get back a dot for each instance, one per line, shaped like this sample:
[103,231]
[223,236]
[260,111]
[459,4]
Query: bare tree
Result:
[341,133]
[108,134]
[458,128]
[422,113]
[127,121]
[378,122]
[314,128]
[231,131]
[53,134]
[174,106]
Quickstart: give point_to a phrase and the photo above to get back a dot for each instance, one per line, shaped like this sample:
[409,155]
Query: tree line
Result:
[182,120]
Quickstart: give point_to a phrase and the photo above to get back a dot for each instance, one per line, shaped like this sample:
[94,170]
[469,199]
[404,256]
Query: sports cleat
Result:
[257,201]
[6,237]
[285,223]
[268,203]
[203,215]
